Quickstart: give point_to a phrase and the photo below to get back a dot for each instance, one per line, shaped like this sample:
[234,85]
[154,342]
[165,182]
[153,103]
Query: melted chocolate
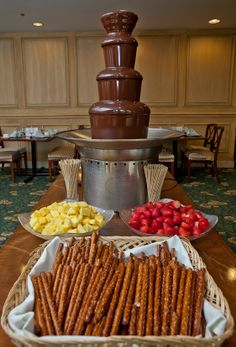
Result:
[119,114]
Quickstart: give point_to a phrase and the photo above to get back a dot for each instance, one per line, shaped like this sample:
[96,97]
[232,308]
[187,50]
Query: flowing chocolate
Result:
[119,113]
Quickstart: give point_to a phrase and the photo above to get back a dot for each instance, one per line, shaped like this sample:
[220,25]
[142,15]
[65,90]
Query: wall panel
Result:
[7,74]
[157,61]
[209,69]
[90,62]
[46,71]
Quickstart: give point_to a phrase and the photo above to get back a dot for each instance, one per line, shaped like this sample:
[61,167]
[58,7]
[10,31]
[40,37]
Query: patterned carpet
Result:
[16,198]
[209,196]
[219,199]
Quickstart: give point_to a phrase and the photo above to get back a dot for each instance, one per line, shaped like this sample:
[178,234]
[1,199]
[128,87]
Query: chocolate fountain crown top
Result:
[120,21]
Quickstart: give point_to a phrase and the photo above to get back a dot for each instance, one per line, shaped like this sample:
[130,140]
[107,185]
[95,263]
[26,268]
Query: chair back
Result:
[1,140]
[209,135]
[215,144]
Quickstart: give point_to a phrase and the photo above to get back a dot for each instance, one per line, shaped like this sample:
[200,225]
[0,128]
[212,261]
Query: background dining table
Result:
[218,257]
[33,142]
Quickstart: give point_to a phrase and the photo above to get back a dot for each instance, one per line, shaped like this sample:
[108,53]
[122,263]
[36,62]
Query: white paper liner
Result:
[21,317]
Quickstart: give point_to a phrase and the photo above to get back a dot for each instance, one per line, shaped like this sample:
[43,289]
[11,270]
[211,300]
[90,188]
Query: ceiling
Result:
[84,15]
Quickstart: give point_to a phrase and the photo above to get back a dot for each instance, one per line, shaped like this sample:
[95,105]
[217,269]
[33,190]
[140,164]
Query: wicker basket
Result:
[213,295]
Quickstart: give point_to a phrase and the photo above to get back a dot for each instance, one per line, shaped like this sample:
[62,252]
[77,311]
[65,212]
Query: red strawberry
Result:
[166,212]
[134,224]
[203,224]
[176,204]
[186,226]
[184,232]
[156,212]
[169,221]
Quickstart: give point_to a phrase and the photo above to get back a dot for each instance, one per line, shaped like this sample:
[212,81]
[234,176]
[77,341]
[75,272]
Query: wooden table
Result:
[33,142]
[220,260]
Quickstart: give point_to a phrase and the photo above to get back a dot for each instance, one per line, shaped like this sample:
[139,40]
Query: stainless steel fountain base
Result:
[115,184]
[112,169]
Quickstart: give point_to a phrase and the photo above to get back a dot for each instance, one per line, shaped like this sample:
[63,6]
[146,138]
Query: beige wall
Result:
[189,78]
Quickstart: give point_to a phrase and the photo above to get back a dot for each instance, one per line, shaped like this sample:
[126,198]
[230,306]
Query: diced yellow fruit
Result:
[54,213]
[42,220]
[85,220]
[81,229]
[71,211]
[82,204]
[85,211]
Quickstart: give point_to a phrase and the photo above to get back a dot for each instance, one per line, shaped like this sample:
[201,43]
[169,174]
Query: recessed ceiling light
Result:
[37,24]
[214,21]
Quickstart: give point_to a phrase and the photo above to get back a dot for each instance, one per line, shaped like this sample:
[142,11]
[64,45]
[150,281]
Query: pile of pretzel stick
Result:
[93,291]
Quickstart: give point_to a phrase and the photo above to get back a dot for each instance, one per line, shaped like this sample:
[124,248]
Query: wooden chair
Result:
[166,157]
[22,150]
[208,156]
[57,154]
[209,134]
[11,158]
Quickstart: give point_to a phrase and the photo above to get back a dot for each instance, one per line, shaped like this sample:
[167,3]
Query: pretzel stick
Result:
[89,329]
[103,302]
[58,259]
[44,279]
[192,303]
[57,281]
[64,291]
[138,289]
[123,297]
[150,306]
[90,285]
[167,301]
[111,248]
[74,303]
[186,304]
[199,301]
[87,250]
[181,292]
[97,292]
[110,275]
[73,281]
[132,321]
[93,247]
[175,283]
[144,297]
[39,322]
[105,254]
[80,323]
[45,308]
[130,296]
[157,300]
[115,298]
[174,324]
[164,254]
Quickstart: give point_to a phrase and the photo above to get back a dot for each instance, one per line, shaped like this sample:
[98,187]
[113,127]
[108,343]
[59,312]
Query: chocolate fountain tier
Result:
[119,119]
[119,50]
[119,84]
[119,21]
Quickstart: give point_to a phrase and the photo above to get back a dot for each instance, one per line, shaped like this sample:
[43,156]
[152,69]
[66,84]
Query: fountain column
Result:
[119,114]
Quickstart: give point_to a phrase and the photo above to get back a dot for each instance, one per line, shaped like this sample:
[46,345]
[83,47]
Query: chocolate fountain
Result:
[119,143]
[119,113]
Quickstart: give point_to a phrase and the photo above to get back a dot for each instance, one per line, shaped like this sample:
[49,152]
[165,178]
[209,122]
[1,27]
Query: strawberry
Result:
[169,221]
[185,225]
[203,224]
[134,224]
[176,204]
[184,232]
[166,212]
